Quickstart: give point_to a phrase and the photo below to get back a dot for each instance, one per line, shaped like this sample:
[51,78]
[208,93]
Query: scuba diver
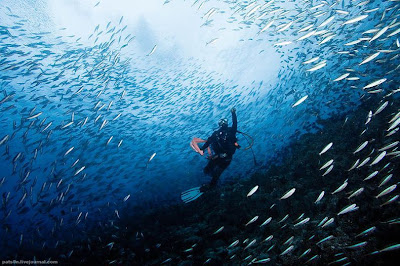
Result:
[224,144]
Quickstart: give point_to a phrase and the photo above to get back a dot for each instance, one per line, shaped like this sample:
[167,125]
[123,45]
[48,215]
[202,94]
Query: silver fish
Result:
[362,146]
[378,158]
[358,245]
[328,170]
[371,175]
[252,191]
[356,193]
[234,244]
[389,146]
[350,208]
[386,191]
[250,244]
[321,195]
[329,222]
[325,239]
[393,199]
[385,180]
[266,221]
[288,194]
[286,251]
[219,230]
[323,221]
[326,164]
[304,221]
[327,147]
[252,220]
[367,231]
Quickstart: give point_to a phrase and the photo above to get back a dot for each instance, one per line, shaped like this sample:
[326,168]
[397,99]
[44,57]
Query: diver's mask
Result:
[223,122]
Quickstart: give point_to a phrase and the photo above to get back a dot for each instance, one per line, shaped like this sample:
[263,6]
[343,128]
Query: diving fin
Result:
[191,194]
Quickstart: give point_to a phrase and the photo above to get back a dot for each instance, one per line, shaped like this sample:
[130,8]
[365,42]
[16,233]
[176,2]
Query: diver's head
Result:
[223,122]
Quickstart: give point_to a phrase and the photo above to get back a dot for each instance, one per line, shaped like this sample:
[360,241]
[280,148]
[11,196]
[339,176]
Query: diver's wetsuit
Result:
[222,142]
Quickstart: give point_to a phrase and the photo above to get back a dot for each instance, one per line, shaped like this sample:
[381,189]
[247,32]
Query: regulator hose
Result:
[251,142]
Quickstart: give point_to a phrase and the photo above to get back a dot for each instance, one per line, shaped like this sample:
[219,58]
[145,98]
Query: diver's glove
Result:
[233,110]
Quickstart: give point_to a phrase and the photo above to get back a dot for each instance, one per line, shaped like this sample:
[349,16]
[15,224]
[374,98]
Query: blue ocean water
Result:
[101,100]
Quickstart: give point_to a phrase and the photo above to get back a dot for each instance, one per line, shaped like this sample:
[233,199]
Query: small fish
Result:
[219,230]
[307,35]
[389,146]
[300,101]
[234,244]
[252,220]
[127,197]
[323,221]
[325,239]
[312,258]
[393,199]
[385,180]
[282,43]
[34,116]
[252,191]
[326,164]
[288,194]
[301,216]
[268,238]
[284,218]
[379,33]
[312,60]
[3,140]
[266,221]
[342,77]
[371,175]
[328,170]
[330,221]
[79,170]
[67,125]
[317,67]
[362,146]
[386,191]
[350,208]
[304,221]
[290,240]
[390,248]
[366,160]
[369,58]
[327,147]
[356,193]
[358,245]
[378,158]
[305,253]
[250,244]
[367,231]
[152,50]
[151,157]
[356,19]
[68,151]
[375,83]
[286,251]
[354,165]
[381,108]
[321,195]
[262,261]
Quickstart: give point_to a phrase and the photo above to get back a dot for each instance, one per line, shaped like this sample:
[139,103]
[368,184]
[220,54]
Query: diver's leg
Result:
[219,168]
[209,167]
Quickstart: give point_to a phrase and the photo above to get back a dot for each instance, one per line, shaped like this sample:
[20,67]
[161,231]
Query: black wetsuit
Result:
[223,145]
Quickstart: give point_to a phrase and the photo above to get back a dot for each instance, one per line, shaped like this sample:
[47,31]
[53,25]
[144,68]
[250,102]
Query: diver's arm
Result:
[206,145]
[208,142]
[234,120]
